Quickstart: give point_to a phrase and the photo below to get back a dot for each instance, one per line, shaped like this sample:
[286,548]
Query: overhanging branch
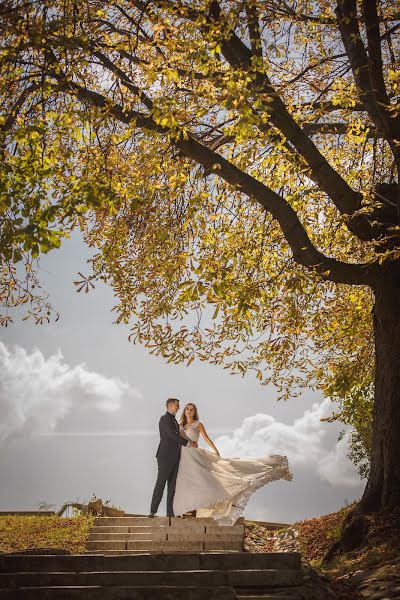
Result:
[372,95]
[304,252]
[328,179]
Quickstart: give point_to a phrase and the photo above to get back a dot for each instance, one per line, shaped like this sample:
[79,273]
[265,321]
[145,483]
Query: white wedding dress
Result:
[221,487]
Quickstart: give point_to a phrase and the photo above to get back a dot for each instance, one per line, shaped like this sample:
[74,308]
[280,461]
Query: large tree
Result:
[241,154]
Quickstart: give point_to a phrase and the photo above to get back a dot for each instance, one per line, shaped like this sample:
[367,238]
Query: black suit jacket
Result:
[171,442]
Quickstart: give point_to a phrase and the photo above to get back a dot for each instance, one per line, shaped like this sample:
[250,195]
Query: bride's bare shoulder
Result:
[200,426]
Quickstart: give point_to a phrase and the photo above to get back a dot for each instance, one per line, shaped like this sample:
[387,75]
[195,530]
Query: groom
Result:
[168,456]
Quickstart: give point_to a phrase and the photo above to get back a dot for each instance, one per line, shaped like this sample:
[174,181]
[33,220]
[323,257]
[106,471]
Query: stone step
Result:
[106,578]
[238,529]
[158,530]
[110,537]
[222,545]
[239,521]
[165,545]
[264,578]
[278,596]
[169,535]
[206,537]
[143,552]
[11,563]
[162,521]
[120,593]
[208,523]
[118,529]
[208,528]
[250,578]
[155,522]
[182,528]
[147,546]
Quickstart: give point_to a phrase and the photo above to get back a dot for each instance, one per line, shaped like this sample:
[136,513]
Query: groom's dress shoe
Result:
[151,516]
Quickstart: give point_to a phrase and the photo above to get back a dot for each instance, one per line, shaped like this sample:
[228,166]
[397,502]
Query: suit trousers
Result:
[167,473]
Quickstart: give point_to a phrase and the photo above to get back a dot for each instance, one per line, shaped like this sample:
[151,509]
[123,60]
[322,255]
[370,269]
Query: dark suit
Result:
[168,456]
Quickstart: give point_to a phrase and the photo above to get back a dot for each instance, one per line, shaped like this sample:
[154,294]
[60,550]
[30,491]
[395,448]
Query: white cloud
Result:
[305,443]
[336,467]
[37,393]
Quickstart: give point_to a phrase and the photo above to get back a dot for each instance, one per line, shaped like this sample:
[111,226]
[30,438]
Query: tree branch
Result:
[328,179]
[313,66]
[336,56]
[374,51]
[281,9]
[253,24]
[376,68]
[311,128]
[304,252]
[10,120]
[328,106]
[349,29]
[389,31]
[346,200]
[335,128]
[129,117]
[125,79]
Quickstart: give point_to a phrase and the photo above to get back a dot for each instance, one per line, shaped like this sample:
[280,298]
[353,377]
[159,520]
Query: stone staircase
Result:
[184,576]
[130,535]
[137,558]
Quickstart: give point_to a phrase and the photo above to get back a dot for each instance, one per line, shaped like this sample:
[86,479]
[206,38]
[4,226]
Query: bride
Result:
[214,486]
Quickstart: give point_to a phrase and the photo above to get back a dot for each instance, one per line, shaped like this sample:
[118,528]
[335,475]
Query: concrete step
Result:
[237,529]
[12,563]
[222,545]
[176,529]
[165,535]
[124,521]
[264,578]
[117,578]
[141,552]
[117,529]
[249,578]
[153,522]
[208,536]
[165,545]
[189,529]
[110,537]
[278,596]
[160,552]
[148,546]
[161,522]
[120,593]
[151,530]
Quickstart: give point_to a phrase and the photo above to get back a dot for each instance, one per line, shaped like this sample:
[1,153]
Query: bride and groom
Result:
[203,481]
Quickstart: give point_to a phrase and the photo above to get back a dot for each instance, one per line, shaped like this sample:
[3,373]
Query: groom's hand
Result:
[193,444]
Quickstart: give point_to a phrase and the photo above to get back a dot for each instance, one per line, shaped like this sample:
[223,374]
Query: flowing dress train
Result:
[221,487]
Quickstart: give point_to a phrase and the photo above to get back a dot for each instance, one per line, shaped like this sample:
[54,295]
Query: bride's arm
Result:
[183,434]
[191,443]
[203,432]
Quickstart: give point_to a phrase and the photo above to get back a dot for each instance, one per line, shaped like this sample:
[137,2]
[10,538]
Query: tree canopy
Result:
[234,163]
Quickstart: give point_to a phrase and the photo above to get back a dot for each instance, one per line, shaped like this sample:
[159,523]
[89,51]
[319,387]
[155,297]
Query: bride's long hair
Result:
[183,419]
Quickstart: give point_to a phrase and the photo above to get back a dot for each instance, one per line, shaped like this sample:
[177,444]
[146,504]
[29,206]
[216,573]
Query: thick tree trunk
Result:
[383,487]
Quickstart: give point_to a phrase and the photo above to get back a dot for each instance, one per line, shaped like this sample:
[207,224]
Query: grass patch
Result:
[26,532]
